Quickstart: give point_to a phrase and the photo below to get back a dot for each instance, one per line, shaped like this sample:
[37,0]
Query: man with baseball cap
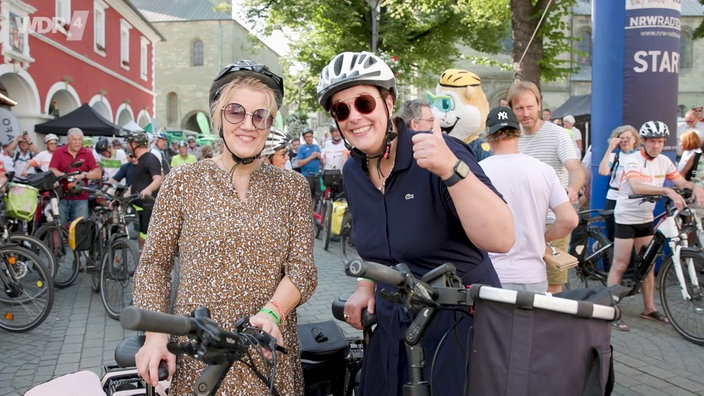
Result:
[530,187]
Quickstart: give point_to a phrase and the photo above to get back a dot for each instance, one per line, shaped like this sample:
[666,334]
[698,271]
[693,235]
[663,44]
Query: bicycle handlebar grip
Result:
[141,319]
[376,272]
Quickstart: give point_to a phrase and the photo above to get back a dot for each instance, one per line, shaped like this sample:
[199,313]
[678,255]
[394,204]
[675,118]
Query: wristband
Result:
[362,279]
[272,314]
[278,306]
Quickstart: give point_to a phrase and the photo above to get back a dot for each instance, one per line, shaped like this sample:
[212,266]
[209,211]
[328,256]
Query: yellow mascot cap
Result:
[459,78]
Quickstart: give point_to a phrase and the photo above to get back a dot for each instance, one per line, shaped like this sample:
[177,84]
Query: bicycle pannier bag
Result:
[44,181]
[558,258]
[21,201]
[338,212]
[81,234]
[323,349]
[531,344]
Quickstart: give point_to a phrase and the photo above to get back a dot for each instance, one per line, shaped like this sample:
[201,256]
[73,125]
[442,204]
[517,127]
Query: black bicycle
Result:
[207,342]
[592,247]
[442,289]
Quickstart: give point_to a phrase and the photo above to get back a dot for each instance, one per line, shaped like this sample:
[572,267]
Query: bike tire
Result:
[319,212]
[686,316]
[67,260]
[327,222]
[116,274]
[37,247]
[592,269]
[96,260]
[32,285]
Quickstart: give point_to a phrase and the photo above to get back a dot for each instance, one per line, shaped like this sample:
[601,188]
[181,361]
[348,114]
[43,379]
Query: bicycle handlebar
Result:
[376,272]
[139,319]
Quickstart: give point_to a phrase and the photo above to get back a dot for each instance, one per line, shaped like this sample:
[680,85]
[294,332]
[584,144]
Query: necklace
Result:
[380,174]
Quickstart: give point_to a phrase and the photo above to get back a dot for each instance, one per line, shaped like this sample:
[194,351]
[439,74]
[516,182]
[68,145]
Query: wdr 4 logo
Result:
[73,29]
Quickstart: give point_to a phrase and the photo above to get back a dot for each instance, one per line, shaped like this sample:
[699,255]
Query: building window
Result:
[143,57]
[125,43]
[63,10]
[99,26]
[197,53]
[584,46]
[686,50]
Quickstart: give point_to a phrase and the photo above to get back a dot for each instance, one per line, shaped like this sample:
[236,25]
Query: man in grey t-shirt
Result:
[552,145]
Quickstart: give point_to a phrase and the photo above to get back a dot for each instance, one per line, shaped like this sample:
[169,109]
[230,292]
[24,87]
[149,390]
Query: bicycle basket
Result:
[43,181]
[21,201]
[81,234]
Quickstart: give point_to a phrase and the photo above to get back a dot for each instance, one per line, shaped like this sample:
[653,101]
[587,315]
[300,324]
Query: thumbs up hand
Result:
[432,153]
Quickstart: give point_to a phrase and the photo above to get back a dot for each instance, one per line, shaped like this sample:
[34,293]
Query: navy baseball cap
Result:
[501,117]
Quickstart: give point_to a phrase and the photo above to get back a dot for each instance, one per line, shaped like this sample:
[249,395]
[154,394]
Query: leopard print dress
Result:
[232,255]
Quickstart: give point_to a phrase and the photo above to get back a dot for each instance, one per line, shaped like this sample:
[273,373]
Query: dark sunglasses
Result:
[364,104]
[234,113]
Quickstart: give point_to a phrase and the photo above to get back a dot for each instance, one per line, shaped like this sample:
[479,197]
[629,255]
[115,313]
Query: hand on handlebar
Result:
[151,354]
[676,198]
[362,298]
[267,324]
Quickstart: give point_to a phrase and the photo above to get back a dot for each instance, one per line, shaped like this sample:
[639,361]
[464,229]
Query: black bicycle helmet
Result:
[275,141]
[354,68]
[139,139]
[102,145]
[247,68]
[654,129]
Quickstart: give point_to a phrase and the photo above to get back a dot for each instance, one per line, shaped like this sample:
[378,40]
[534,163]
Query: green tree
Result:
[419,38]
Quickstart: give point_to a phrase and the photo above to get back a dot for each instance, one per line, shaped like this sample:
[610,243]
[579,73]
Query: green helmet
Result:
[87,141]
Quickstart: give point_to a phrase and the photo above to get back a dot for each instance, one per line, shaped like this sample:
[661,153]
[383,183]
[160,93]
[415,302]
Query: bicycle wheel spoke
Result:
[116,277]
[28,294]
[686,314]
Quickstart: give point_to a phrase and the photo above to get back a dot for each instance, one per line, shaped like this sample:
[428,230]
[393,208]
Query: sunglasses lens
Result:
[234,113]
[261,119]
[365,104]
[340,111]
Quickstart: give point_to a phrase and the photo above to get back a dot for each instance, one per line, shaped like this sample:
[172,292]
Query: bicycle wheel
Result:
[55,238]
[116,273]
[28,291]
[595,254]
[94,265]
[37,247]
[318,214]
[327,222]
[686,316]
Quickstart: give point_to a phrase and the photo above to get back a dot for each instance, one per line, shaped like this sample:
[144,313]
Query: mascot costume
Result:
[460,104]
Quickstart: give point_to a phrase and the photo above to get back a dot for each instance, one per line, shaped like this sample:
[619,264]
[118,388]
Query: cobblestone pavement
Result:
[651,359]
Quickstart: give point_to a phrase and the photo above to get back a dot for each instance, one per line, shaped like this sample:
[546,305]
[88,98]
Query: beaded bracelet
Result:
[272,314]
[278,306]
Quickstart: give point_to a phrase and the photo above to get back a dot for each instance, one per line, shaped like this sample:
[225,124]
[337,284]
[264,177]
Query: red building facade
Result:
[59,54]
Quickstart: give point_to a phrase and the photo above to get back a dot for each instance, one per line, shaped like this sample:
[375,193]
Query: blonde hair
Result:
[238,83]
[627,128]
[519,87]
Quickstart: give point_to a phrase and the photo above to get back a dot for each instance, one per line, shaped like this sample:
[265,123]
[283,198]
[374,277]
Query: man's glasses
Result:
[234,113]
[364,104]
[430,120]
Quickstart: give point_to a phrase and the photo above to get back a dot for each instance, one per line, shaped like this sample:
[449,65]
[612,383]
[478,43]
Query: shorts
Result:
[630,231]
[144,215]
[555,276]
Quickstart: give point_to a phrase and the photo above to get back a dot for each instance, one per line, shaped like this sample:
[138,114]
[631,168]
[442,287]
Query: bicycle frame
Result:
[683,240]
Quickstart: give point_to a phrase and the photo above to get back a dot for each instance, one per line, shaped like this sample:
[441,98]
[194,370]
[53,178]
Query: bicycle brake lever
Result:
[263,338]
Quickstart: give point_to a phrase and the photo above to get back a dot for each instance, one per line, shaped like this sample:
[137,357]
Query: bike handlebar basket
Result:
[332,178]
[533,344]
[21,201]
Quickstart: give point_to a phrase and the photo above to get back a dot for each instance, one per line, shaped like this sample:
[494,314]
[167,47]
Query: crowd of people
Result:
[239,217]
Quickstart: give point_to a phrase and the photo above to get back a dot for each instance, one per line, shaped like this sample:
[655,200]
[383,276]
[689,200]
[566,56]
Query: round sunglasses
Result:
[234,113]
[364,104]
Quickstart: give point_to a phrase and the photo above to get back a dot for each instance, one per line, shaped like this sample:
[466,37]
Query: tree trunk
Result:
[524,21]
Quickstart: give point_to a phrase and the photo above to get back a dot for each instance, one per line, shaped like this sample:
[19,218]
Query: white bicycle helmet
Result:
[654,129]
[50,137]
[276,140]
[348,69]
